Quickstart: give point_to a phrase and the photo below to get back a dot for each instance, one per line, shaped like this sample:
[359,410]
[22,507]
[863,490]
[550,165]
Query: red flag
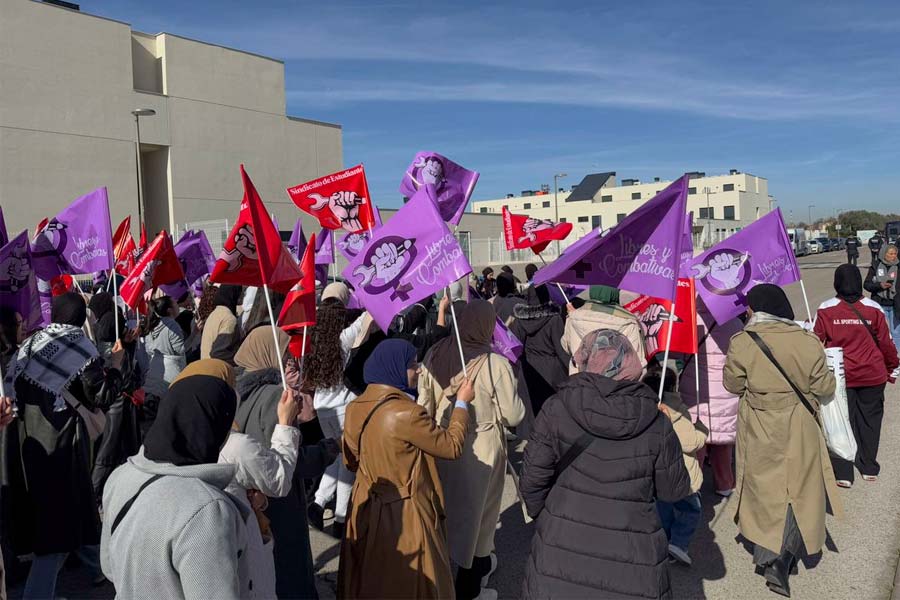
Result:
[40,226]
[654,316]
[299,308]
[124,248]
[522,231]
[339,201]
[254,253]
[143,243]
[159,265]
[61,284]
[296,345]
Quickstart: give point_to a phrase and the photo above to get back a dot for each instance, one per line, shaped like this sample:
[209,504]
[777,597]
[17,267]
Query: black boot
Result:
[778,573]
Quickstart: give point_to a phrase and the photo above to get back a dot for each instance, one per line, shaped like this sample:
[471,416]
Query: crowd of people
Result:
[175,460]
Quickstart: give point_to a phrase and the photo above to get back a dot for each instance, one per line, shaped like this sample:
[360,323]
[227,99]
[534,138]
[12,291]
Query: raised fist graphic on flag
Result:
[244,247]
[344,205]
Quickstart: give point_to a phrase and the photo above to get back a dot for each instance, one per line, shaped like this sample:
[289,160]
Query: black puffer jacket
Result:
[598,534]
[545,363]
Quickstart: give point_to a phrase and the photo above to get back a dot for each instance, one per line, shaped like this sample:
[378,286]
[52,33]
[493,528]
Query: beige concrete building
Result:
[722,204]
[68,84]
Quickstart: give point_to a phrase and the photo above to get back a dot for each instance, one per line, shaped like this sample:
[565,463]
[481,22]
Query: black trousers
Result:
[851,259]
[468,581]
[866,406]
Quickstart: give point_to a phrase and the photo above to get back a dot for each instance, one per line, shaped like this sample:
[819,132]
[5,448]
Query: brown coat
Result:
[781,453]
[474,483]
[692,437]
[396,539]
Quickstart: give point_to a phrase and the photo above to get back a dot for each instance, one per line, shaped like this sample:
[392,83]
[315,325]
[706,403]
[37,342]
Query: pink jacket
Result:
[715,400]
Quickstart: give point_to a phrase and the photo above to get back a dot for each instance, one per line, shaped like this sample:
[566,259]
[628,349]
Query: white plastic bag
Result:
[834,412]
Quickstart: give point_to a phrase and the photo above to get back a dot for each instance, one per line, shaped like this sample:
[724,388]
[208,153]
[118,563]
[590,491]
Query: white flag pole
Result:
[303,347]
[697,383]
[806,301]
[662,376]
[333,266]
[275,335]
[87,322]
[462,357]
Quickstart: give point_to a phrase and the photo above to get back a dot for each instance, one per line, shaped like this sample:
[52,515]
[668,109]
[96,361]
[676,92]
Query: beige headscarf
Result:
[476,330]
[337,290]
[257,352]
[212,367]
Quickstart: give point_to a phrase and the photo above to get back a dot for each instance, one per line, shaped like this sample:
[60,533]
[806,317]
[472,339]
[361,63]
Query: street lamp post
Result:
[138,113]
[811,206]
[556,177]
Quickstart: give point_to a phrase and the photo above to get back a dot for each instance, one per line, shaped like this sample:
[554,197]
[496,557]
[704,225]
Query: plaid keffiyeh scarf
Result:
[52,358]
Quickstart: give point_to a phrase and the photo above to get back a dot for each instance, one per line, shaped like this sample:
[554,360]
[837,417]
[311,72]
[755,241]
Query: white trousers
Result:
[336,479]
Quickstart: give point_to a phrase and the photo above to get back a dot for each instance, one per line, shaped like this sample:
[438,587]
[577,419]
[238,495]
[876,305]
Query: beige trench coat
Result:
[781,454]
[473,485]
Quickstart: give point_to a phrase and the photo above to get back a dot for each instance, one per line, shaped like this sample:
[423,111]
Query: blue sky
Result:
[806,94]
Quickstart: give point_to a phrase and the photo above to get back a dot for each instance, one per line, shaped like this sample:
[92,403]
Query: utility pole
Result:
[556,177]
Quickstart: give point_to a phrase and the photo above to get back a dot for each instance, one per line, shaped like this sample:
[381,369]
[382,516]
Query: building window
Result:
[526,206]
[606,198]
[595,221]
[728,187]
[582,219]
[708,213]
[635,195]
[545,204]
[620,217]
[692,190]
[483,209]
[562,220]
[729,212]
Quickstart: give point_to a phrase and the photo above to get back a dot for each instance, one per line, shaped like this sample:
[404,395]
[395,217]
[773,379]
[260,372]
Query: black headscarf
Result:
[104,309]
[769,298]
[506,284]
[538,295]
[193,422]
[228,296]
[848,283]
[530,270]
[69,309]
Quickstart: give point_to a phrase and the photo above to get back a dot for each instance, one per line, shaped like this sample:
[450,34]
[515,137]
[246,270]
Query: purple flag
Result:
[4,237]
[409,258]
[297,244]
[759,253]
[641,254]
[76,241]
[196,258]
[18,282]
[571,291]
[505,343]
[324,248]
[322,275]
[453,184]
[687,246]
[351,244]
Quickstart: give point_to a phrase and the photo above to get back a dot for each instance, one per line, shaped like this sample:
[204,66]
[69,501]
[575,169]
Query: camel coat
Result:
[781,455]
[396,539]
[474,484]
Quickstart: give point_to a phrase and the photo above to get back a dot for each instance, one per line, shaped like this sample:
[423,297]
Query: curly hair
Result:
[324,367]
[207,301]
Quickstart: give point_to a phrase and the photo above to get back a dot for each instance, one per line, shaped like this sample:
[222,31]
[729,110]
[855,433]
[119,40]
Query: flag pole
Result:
[462,358]
[806,301]
[115,303]
[565,297]
[662,376]
[303,347]
[275,335]
[87,322]
[333,266]
[697,383]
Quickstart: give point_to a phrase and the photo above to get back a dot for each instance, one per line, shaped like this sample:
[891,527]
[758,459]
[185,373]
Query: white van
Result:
[799,242]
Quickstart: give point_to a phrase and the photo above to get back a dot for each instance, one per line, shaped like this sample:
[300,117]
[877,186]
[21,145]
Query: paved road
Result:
[860,561]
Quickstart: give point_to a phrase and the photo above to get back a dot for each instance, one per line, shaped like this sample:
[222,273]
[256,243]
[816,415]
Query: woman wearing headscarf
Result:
[47,463]
[539,326]
[858,326]
[323,371]
[221,334]
[164,345]
[507,298]
[104,311]
[603,311]
[396,540]
[474,484]
[600,456]
[784,476]
[260,390]
[168,519]
[487,286]
[881,282]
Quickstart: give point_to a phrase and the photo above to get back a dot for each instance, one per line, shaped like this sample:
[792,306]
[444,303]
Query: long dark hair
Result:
[9,327]
[259,312]
[158,309]
[207,301]
[324,366]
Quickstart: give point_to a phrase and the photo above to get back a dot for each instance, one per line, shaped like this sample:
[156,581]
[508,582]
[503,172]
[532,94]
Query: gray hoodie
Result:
[166,355]
[183,537]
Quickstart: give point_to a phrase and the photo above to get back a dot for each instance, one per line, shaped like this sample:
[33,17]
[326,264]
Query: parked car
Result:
[825,244]
[815,246]
[835,243]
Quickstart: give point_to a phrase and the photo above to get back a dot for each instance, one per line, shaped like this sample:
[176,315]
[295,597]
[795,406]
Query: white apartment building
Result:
[722,204]
[69,82]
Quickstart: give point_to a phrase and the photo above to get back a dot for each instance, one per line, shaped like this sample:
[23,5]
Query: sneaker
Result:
[316,516]
[494,562]
[843,483]
[724,493]
[487,594]
[870,477]
[338,529]
[679,555]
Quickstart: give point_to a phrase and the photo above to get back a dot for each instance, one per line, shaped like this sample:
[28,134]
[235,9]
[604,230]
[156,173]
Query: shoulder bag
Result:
[768,352]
